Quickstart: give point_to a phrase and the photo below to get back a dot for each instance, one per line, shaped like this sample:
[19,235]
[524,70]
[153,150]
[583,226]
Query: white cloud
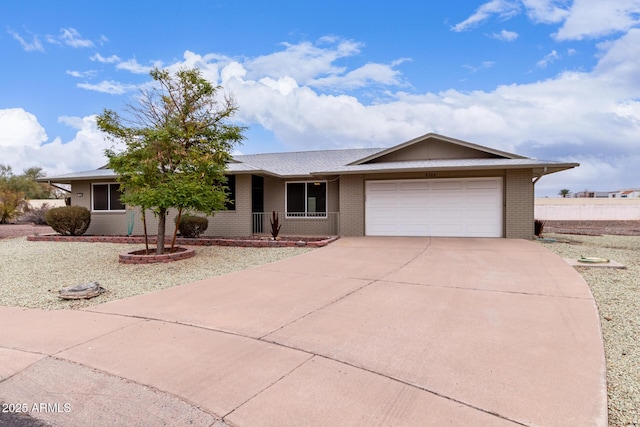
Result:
[20,128]
[548,59]
[23,143]
[546,11]
[108,86]
[130,65]
[28,46]
[70,37]
[592,19]
[209,64]
[504,35]
[483,66]
[504,9]
[134,67]
[369,74]
[82,74]
[304,61]
[579,19]
[105,60]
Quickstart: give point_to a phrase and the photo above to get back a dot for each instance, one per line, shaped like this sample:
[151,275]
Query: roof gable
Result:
[435,147]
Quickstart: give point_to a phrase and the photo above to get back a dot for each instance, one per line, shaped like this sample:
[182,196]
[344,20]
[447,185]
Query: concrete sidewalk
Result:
[366,331]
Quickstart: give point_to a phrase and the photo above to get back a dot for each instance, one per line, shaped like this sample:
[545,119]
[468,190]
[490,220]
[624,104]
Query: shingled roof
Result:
[301,164]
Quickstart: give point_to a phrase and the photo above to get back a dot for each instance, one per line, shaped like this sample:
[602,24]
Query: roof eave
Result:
[75,179]
[545,168]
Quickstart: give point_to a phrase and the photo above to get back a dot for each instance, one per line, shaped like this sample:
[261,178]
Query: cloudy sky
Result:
[550,79]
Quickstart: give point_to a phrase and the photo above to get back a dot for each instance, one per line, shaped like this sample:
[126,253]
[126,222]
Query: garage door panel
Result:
[448,207]
[482,184]
[384,186]
[447,185]
[416,199]
[414,229]
[414,185]
[383,201]
[446,230]
[446,215]
[416,214]
[447,200]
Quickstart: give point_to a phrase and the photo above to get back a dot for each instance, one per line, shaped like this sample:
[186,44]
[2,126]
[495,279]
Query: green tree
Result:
[10,203]
[177,141]
[15,189]
[30,187]
[564,193]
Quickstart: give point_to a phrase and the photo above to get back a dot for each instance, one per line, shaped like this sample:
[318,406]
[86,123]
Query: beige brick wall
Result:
[237,222]
[273,194]
[224,223]
[101,222]
[352,205]
[519,203]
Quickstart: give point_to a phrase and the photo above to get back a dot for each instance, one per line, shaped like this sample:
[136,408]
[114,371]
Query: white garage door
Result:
[469,207]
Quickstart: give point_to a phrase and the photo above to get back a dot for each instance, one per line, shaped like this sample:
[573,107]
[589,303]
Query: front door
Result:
[257,203]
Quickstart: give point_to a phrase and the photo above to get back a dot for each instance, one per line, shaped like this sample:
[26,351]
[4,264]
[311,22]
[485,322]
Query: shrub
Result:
[191,225]
[69,220]
[37,215]
[538,227]
[10,203]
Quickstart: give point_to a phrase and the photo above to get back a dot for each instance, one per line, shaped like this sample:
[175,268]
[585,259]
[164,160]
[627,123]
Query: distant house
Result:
[432,185]
[591,194]
[633,193]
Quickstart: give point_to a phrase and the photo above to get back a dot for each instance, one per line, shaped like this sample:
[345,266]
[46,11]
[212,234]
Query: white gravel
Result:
[617,294]
[31,273]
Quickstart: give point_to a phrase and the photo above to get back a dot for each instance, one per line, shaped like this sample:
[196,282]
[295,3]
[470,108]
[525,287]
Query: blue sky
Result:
[551,79]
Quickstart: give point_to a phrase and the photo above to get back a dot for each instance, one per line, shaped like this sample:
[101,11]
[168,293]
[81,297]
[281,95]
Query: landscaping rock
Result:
[82,291]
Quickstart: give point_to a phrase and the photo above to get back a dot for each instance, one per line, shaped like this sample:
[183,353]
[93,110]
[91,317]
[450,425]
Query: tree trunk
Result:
[146,236]
[162,218]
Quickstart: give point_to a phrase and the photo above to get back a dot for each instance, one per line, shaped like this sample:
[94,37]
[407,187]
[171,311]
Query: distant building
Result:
[592,194]
[631,193]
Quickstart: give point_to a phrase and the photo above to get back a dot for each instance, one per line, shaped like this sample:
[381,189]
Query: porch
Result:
[298,224]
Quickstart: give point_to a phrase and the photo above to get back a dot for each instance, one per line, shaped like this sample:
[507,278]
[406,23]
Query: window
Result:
[230,204]
[306,199]
[106,197]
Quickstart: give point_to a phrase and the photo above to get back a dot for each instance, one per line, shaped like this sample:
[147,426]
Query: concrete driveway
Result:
[366,331]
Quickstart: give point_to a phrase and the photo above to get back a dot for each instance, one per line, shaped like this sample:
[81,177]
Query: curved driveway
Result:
[366,331]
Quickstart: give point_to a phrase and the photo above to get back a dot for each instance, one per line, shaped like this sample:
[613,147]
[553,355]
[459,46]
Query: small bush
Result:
[37,215]
[191,225]
[538,227]
[69,220]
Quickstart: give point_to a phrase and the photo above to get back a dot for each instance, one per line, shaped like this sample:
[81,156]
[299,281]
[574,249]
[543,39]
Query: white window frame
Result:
[305,214]
[93,184]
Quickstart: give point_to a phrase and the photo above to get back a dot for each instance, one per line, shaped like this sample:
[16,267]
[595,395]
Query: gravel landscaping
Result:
[617,294]
[31,273]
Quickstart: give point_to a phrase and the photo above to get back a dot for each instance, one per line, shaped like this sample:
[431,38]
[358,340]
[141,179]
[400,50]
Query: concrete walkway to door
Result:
[366,331]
